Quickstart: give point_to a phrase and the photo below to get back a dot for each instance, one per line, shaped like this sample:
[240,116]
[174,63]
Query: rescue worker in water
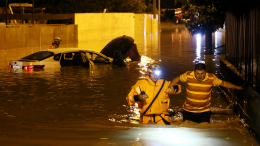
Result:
[152,96]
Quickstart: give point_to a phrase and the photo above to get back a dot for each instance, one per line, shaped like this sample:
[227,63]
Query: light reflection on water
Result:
[198,50]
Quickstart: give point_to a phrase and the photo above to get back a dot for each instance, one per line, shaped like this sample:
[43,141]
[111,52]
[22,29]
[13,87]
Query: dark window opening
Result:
[73,59]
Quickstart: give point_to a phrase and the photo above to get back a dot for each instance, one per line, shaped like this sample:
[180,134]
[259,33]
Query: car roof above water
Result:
[63,50]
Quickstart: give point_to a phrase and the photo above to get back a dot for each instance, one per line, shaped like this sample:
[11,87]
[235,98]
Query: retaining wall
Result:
[90,31]
[38,37]
[246,101]
[95,30]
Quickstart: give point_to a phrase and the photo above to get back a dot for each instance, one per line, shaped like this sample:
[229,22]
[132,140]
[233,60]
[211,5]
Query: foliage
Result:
[88,6]
[167,4]
[180,3]
[83,6]
[169,13]
[169,16]
[207,15]
[136,6]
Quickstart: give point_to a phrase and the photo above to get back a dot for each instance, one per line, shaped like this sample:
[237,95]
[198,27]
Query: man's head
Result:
[154,70]
[57,40]
[200,71]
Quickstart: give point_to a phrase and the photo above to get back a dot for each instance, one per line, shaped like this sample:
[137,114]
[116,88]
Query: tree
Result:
[180,3]
[167,4]
[84,6]
[205,17]
[88,6]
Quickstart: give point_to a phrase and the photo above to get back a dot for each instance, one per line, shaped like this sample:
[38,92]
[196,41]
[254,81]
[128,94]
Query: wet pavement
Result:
[81,106]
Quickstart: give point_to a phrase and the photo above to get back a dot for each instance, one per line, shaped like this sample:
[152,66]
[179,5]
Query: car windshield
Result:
[39,55]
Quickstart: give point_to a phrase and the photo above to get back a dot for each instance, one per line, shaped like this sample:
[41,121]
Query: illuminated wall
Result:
[20,40]
[92,31]
[36,36]
[95,30]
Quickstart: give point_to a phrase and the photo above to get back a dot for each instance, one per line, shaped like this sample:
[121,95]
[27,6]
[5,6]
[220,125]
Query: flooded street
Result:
[87,106]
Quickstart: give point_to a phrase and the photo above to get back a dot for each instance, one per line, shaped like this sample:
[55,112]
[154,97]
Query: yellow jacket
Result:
[160,105]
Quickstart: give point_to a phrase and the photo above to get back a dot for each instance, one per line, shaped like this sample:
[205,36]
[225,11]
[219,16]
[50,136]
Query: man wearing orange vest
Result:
[197,105]
[152,96]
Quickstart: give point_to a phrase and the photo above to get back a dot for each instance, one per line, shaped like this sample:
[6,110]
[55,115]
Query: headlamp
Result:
[157,72]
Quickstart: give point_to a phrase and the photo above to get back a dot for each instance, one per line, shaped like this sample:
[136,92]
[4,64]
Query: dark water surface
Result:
[81,106]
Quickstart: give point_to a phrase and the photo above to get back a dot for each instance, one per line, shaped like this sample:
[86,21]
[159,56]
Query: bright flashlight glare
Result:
[157,72]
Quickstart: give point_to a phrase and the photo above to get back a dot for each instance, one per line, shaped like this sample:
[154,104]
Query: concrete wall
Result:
[140,28]
[145,25]
[2,37]
[20,40]
[95,30]
[37,36]
[146,32]
[91,31]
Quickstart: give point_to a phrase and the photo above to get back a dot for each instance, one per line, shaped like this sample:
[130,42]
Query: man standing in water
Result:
[152,96]
[197,105]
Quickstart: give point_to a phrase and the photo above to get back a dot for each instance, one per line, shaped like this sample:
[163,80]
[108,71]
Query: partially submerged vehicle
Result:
[60,57]
[114,52]
[120,48]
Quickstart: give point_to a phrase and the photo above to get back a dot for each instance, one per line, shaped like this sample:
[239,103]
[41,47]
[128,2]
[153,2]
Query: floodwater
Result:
[81,106]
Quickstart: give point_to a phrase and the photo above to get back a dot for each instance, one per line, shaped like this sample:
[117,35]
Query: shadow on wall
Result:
[246,101]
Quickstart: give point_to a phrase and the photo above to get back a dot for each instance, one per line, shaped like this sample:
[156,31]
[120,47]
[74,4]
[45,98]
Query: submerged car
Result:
[60,57]
[120,48]
[115,52]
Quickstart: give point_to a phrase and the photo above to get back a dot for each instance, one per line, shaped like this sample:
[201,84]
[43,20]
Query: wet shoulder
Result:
[189,73]
[211,76]
[140,82]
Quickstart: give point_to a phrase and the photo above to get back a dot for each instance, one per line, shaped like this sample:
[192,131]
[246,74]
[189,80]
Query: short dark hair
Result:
[200,66]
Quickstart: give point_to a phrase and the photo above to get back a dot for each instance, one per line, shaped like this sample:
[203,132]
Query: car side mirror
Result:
[57,57]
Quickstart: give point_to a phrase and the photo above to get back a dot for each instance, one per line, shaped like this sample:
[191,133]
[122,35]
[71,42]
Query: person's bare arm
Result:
[174,81]
[229,85]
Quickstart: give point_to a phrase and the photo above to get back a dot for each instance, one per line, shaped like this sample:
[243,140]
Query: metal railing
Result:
[242,43]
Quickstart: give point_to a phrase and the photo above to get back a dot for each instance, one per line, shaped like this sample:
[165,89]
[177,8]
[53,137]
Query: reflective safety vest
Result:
[160,105]
[198,93]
